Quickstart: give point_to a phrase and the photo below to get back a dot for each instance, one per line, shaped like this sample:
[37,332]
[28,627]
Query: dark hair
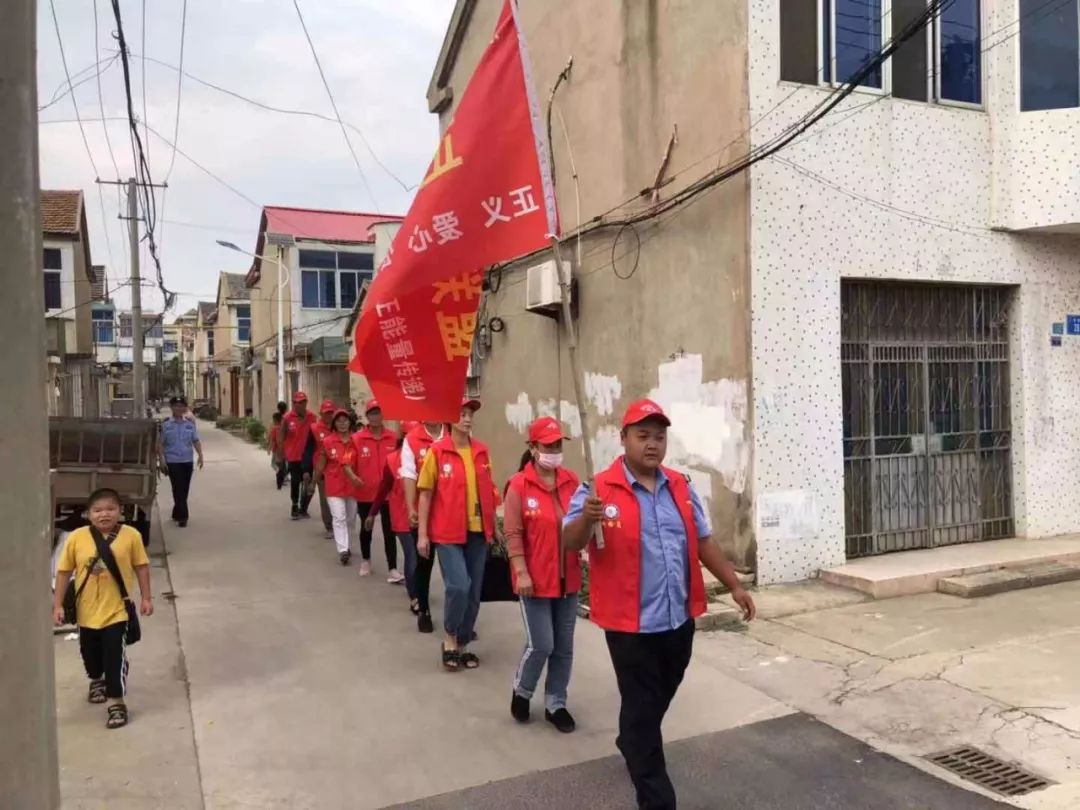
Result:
[526,460]
[276,416]
[103,494]
[282,407]
[400,439]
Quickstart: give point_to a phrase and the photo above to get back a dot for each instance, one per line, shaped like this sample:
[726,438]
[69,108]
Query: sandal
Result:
[469,660]
[97,692]
[451,659]
[118,716]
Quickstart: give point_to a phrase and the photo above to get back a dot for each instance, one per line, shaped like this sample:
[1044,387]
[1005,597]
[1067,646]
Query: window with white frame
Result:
[52,264]
[104,328]
[331,279]
[830,41]
[1049,55]
[243,323]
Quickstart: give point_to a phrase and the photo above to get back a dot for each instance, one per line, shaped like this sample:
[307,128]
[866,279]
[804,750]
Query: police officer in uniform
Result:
[178,448]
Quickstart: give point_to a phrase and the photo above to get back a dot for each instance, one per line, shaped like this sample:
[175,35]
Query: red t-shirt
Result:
[340,453]
[296,430]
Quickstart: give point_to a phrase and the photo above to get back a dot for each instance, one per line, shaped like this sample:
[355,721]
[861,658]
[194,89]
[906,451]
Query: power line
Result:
[176,126]
[102,66]
[286,111]
[146,118]
[67,74]
[101,98]
[333,103]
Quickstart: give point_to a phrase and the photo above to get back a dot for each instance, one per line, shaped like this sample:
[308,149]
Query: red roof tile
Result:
[328,226]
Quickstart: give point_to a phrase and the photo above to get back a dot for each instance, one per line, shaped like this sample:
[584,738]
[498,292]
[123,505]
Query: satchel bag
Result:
[71,596]
[133,632]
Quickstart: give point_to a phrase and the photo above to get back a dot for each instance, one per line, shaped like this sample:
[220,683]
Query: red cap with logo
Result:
[644,409]
[545,430]
[327,406]
[372,405]
[470,402]
[299,396]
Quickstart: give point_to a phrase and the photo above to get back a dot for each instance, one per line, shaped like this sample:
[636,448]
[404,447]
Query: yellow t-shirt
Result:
[429,477]
[99,603]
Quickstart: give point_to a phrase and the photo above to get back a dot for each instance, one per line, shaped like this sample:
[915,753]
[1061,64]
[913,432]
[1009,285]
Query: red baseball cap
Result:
[470,402]
[644,409]
[372,405]
[299,396]
[545,430]
[340,412]
[407,427]
[327,406]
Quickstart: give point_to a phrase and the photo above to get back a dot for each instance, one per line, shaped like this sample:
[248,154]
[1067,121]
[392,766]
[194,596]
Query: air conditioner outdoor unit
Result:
[542,290]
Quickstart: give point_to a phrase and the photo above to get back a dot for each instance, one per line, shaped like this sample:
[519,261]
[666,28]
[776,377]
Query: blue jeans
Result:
[549,639]
[408,551]
[462,569]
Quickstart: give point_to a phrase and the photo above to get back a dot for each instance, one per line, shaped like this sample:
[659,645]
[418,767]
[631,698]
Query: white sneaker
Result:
[395,577]
[365,569]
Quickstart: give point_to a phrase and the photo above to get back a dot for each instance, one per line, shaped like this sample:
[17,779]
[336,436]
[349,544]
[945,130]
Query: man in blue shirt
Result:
[646,585]
[178,446]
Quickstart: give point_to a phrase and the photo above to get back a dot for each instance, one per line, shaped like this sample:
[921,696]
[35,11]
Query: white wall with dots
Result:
[891,189]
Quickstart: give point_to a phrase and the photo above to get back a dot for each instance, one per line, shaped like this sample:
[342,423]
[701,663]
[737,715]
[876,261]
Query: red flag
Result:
[485,198]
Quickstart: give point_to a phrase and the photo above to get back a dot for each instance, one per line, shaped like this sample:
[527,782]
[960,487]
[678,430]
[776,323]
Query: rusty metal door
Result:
[927,441]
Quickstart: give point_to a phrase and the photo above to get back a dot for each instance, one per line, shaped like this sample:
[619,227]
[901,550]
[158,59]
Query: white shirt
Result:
[408,457]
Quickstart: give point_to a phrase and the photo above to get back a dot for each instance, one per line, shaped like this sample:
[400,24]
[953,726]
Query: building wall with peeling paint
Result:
[664,305]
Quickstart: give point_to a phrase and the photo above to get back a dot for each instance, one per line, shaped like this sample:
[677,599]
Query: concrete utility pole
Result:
[138,372]
[28,766]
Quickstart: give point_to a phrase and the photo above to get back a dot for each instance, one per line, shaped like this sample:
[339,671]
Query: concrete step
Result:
[911,572]
[989,583]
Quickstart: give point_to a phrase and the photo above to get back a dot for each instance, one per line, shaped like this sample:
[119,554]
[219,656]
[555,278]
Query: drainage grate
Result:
[988,772]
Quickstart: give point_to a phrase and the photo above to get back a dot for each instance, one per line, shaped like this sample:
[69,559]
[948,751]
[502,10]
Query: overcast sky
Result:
[378,56]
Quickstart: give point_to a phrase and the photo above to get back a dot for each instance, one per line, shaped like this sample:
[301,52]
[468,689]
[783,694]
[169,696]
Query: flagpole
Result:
[562,268]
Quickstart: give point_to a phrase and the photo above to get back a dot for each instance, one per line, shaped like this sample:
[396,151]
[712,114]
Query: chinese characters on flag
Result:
[485,198]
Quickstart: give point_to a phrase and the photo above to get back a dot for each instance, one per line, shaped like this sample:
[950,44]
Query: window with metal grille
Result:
[104,328]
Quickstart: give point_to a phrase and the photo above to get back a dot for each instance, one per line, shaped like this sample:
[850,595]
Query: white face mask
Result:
[549,461]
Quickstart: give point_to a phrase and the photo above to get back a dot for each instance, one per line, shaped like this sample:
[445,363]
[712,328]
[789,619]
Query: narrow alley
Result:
[277,678]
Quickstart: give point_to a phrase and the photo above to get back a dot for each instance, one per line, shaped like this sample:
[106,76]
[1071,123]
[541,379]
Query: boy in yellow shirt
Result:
[100,611]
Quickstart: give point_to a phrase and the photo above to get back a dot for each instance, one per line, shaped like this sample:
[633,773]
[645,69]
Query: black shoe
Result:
[423,623]
[519,708]
[181,523]
[345,556]
[295,514]
[561,719]
[304,514]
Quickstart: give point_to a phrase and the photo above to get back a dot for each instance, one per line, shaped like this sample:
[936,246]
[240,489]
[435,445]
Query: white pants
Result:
[343,514]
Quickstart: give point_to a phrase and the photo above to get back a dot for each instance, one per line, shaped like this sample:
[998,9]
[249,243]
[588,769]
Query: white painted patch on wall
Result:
[569,416]
[606,446]
[602,391]
[708,420]
[520,413]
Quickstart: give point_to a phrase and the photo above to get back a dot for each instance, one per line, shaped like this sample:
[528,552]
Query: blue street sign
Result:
[1057,328]
[1072,324]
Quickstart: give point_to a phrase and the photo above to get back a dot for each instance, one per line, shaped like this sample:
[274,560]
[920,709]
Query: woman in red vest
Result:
[457,515]
[336,471]
[546,577]
[374,443]
[418,442]
[645,585]
[391,492]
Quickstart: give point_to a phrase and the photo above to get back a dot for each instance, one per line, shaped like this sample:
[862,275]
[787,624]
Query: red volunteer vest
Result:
[371,460]
[321,431]
[543,530]
[615,570]
[296,431]
[340,454]
[399,513]
[420,441]
[448,520]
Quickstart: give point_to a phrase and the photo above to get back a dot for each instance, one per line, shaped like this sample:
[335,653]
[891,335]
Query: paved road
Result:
[310,688]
